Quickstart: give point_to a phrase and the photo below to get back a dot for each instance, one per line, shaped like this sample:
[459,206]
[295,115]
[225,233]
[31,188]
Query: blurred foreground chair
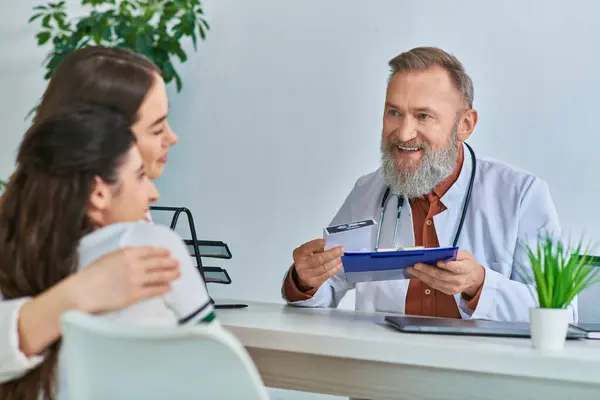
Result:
[103,360]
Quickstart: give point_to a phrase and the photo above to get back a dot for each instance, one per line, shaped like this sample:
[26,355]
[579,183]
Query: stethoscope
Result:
[386,197]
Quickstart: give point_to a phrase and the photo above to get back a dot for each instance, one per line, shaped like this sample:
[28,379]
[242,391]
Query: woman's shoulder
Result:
[144,233]
[127,234]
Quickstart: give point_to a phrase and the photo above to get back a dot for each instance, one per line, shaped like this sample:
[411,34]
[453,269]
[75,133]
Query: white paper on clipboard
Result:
[353,236]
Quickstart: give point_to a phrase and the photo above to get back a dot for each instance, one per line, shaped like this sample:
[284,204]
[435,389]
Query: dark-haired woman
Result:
[80,191]
[130,83]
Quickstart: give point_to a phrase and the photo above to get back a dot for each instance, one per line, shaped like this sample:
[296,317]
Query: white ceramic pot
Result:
[549,327]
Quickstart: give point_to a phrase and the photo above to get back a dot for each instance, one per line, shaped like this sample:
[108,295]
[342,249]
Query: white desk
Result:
[355,354]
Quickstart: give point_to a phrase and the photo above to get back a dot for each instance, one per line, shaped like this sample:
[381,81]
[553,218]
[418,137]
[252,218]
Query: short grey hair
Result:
[422,58]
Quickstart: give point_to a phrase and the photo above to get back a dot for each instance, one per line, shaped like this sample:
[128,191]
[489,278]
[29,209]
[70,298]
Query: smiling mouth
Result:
[408,149]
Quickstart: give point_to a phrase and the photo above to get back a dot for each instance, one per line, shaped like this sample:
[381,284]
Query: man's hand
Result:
[314,265]
[464,275]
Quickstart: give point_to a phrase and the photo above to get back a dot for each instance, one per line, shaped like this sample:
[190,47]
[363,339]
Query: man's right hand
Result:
[314,265]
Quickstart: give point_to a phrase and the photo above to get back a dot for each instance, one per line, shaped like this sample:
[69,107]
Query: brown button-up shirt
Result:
[420,298]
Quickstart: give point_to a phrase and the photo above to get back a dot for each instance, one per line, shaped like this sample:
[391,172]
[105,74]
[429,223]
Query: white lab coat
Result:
[507,206]
[13,362]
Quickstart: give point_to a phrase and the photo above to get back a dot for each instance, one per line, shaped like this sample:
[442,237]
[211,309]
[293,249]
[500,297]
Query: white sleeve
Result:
[333,290]
[188,298]
[13,363]
[508,299]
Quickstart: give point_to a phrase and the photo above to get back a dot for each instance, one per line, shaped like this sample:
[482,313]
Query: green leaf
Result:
[60,21]
[85,25]
[34,17]
[177,31]
[168,71]
[175,47]
[57,6]
[31,112]
[40,8]
[54,62]
[83,43]
[195,41]
[143,42]
[186,26]
[43,37]
[46,21]
[169,11]
[201,32]
[148,14]
[125,7]
[96,2]
[125,30]
[178,83]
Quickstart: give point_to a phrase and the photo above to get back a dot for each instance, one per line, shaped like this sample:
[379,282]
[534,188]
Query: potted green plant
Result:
[558,273]
[155,28]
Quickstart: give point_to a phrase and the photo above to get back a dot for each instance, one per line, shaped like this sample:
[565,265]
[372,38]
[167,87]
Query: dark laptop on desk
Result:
[450,326]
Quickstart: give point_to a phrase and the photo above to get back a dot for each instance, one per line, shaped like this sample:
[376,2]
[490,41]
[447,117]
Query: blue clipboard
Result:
[360,266]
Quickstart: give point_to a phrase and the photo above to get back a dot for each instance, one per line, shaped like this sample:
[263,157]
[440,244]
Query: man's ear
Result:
[467,124]
[99,201]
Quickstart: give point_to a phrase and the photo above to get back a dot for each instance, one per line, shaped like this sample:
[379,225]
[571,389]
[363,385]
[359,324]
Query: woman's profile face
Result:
[129,199]
[152,131]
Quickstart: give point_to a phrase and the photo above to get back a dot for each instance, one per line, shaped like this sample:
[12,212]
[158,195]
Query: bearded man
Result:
[432,191]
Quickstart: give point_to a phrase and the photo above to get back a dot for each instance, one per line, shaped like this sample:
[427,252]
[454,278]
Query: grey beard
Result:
[435,167]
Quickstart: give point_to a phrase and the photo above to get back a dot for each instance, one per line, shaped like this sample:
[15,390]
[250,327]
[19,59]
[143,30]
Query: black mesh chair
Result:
[203,248]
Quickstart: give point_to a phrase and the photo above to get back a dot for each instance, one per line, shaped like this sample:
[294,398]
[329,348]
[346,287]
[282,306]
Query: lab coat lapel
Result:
[446,222]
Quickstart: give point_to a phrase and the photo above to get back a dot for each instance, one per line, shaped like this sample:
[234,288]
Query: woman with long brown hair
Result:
[121,79]
[80,190]
[131,84]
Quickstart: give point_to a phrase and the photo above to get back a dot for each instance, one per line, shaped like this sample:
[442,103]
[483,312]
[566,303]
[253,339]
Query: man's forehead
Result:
[433,85]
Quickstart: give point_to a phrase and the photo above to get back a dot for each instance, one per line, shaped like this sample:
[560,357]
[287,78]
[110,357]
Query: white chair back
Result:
[103,360]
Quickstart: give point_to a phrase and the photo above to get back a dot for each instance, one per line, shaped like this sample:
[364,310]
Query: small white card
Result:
[353,236]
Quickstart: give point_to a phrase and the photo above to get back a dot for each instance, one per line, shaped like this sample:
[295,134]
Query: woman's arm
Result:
[13,363]
[38,323]
[115,281]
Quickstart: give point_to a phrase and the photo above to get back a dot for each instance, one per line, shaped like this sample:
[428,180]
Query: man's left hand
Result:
[465,275]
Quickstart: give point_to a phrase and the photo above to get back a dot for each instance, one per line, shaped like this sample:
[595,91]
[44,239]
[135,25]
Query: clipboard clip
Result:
[392,254]
[400,249]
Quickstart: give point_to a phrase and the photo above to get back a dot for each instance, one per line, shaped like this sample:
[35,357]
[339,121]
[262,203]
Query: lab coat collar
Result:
[441,189]
[446,222]
[456,192]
